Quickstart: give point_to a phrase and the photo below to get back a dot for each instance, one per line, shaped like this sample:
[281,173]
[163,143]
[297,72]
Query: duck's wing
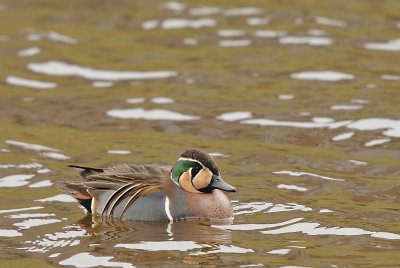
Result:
[127,181]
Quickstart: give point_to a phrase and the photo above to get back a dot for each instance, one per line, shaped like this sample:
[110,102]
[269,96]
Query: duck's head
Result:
[197,172]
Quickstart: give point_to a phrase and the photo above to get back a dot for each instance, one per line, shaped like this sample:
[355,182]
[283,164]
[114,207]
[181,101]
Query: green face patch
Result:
[182,166]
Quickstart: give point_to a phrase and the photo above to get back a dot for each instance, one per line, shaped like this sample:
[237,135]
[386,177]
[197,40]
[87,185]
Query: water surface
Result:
[296,100]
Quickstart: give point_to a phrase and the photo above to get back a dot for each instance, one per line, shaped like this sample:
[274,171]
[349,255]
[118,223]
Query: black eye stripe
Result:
[194,171]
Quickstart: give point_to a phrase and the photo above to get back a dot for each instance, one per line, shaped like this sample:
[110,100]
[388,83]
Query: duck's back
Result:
[112,191]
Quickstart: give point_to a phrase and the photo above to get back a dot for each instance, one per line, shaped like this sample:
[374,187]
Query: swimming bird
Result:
[192,189]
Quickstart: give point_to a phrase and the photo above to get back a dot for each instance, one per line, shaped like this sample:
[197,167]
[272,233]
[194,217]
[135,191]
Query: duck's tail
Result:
[79,190]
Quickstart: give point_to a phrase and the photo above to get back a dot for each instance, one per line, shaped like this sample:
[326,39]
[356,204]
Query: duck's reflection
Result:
[138,242]
[118,231]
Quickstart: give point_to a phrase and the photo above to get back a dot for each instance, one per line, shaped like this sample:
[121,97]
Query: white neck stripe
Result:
[167,211]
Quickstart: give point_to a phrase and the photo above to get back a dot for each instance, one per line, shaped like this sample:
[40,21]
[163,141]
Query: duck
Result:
[191,189]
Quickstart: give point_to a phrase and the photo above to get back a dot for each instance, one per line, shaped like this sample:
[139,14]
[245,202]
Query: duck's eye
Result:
[194,171]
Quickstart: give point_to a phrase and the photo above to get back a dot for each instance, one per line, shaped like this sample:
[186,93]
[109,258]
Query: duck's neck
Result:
[177,199]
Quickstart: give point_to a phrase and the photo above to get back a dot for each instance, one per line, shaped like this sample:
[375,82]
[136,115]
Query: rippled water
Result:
[297,101]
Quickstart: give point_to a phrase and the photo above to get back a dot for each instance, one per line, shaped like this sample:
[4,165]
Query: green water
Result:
[361,199]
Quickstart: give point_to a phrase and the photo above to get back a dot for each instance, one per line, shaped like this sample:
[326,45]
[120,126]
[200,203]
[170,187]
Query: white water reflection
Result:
[28,52]
[288,207]
[162,245]
[328,76]
[234,116]
[391,45]
[85,259]
[306,40]
[157,114]
[19,209]
[50,241]
[15,180]
[190,41]
[272,122]
[120,152]
[234,43]
[74,233]
[343,136]
[52,36]
[55,155]
[316,32]
[282,251]
[256,21]
[371,85]
[269,33]
[40,184]
[301,173]
[313,228]
[255,226]
[204,11]
[292,187]
[390,77]
[30,146]
[266,207]
[29,223]
[59,68]
[224,249]
[286,97]
[330,22]
[184,246]
[255,265]
[322,120]
[58,198]
[230,33]
[358,163]
[250,208]
[174,6]
[391,127]
[346,107]
[24,82]
[216,154]
[291,266]
[55,255]
[309,228]
[135,100]
[243,11]
[162,100]
[30,215]
[178,23]
[376,142]
[150,24]
[325,210]
[9,233]
[43,171]
[360,101]
[102,84]
[22,166]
